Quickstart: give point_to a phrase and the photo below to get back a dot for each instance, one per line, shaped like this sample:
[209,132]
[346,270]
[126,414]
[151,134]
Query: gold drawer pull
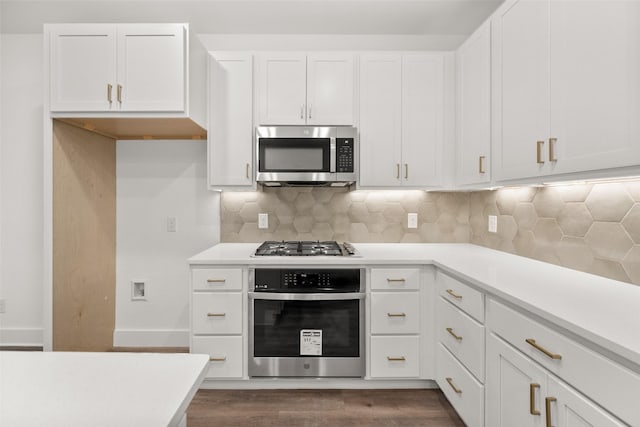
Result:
[109,89]
[396,280]
[539,153]
[538,347]
[547,408]
[216,280]
[218,359]
[453,386]
[453,294]
[532,399]
[396,359]
[481,164]
[216,314]
[396,315]
[450,330]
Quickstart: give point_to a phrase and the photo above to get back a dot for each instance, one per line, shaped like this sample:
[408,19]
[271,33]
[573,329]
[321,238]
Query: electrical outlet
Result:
[412,220]
[171,224]
[263,221]
[138,291]
[3,305]
[493,224]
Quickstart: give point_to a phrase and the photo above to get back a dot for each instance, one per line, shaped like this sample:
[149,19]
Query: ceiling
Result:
[374,17]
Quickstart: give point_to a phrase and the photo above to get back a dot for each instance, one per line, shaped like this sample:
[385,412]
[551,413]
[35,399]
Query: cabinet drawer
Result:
[225,355]
[395,357]
[217,313]
[463,391]
[461,295]
[395,313]
[213,279]
[395,278]
[609,384]
[462,336]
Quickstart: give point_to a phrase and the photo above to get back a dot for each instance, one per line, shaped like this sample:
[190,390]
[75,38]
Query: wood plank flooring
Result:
[321,408]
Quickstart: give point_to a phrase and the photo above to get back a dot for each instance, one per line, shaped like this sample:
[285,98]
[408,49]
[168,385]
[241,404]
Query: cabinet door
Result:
[515,387]
[151,67]
[282,81]
[521,88]
[473,140]
[380,120]
[571,409]
[422,119]
[330,89]
[83,67]
[595,84]
[230,119]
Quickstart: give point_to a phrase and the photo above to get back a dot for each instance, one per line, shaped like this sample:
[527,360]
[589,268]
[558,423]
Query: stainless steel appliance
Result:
[306,248]
[306,155]
[306,322]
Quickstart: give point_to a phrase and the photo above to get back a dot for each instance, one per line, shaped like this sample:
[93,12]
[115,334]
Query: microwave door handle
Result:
[332,154]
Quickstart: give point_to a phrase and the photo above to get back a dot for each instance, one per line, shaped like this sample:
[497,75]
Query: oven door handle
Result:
[305,297]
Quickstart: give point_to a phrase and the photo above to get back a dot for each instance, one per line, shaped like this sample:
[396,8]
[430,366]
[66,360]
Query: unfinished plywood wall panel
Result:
[84,230]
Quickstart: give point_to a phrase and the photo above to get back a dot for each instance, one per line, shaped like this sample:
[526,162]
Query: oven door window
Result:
[294,155]
[277,326]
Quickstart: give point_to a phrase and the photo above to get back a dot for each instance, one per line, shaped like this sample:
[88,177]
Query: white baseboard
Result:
[30,337]
[151,338]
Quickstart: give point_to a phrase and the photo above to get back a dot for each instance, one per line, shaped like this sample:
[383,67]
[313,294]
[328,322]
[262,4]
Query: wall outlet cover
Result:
[138,290]
[263,221]
[493,224]
[412,220]
[171,224]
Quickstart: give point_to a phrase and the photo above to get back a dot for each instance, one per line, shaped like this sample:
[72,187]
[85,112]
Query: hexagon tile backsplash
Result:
[588,227]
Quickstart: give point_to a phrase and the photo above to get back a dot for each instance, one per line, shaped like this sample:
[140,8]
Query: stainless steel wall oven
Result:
[306,322]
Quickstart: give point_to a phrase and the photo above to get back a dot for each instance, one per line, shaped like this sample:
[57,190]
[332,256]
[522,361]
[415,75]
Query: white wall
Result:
[21,189]
[156,180]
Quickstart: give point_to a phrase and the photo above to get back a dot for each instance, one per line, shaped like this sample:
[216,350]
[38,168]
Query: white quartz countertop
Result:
[603,311]
[97,389]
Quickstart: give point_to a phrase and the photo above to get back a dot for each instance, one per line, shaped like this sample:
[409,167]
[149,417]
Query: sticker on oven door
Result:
[311,342]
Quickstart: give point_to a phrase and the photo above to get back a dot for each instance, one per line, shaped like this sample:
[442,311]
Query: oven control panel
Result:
[306,280]
[344,154]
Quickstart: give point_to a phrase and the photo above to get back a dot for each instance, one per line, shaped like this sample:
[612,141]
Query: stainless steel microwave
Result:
[306,155]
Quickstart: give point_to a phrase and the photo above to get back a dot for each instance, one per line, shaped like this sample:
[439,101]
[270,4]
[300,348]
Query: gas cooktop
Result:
[305,248]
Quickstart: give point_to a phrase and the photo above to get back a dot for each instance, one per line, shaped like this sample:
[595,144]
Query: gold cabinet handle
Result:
[218,359]
[552,146]
[396,315]
[247,171]
[216,280]
[302,111]
[406,171]
[397,170]
[453,294]
[538,347]
[396,280]
[481,164]
[396,359]
[539,152]
[532,399]
[453,334]
[216,314]
[453,386]
[109,90]
[310,106]
[547,408]
[120,94]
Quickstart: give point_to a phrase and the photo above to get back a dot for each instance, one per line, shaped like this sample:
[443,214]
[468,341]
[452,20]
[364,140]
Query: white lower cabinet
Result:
[521,393]
[395,323]
[218,319]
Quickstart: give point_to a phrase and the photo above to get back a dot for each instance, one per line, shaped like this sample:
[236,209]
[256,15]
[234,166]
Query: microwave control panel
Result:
[344,154]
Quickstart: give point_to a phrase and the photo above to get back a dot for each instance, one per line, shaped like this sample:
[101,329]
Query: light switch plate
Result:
[263,221]
[493,224]
[412,220]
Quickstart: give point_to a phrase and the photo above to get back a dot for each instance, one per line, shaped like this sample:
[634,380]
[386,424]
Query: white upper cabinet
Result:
[230,135]
[473,110]
[566,87]
[118,67]
[401,119]
[299,89]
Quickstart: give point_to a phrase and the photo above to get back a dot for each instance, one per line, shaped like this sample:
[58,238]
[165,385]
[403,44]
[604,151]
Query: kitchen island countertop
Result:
[602,311]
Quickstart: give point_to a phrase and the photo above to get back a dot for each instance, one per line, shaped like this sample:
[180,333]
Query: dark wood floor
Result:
[320,408]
